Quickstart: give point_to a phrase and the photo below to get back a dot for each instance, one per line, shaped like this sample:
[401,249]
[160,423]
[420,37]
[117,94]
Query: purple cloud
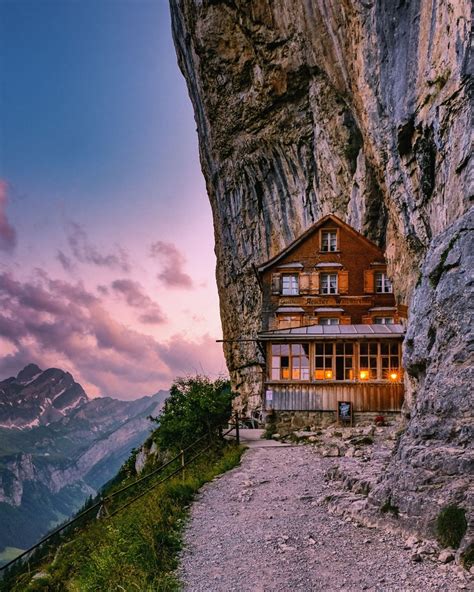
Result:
[66,262]
[135,297]
[57,323]
[86,252]
[172,260]
[7,232]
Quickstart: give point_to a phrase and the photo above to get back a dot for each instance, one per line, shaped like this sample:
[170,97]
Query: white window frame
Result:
[384,320]
[328,241]
[383,285]
[328,321]
[325,281]
[293,287]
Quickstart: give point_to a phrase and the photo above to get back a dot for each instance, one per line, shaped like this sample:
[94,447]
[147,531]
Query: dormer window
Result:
[329,241]
[382,284]
[290,284]
[383,320]
[328,283]
[328,321]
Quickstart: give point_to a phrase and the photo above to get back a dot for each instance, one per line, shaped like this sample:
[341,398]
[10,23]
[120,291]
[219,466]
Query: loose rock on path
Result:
[264,527]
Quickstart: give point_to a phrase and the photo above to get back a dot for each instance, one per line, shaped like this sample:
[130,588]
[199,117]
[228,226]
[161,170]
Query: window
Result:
[368,361]
[382,284]
[289,285]
[344,361]
[383,320]
[328,283]
[329,240]
[290,361]
[323,366]
[379,361]
[328,321]
[390,356]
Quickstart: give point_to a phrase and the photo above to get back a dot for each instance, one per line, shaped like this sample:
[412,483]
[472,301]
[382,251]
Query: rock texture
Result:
[361,108]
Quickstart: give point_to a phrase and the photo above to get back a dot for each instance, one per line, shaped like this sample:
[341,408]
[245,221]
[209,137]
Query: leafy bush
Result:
[451,525]
[197,406]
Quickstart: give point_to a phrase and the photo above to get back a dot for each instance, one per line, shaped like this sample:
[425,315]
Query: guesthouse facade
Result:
[331,328]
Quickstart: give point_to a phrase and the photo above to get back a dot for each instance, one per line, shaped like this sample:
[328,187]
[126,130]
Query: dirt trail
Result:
[264,527]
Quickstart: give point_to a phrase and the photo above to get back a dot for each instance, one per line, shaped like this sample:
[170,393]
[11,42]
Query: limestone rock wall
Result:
[361,108]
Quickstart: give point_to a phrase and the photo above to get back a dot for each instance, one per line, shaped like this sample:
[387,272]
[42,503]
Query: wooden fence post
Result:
[237,431]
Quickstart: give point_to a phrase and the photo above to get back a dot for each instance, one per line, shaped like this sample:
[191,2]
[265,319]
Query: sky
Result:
[107,268]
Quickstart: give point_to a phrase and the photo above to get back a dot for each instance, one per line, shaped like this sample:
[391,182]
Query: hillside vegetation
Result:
[137,548]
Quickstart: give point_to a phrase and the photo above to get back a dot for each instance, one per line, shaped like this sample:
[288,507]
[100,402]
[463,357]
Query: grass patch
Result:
[451,526]
[467,557]
[136,549]
[388,508]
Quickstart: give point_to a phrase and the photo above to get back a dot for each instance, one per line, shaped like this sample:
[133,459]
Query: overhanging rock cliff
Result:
[360,108]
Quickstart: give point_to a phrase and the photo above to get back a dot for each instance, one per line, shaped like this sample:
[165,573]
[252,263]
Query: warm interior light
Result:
[364,375]
[328,374]
[393,375]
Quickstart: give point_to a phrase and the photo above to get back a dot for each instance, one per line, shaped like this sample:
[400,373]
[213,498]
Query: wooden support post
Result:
[237,432]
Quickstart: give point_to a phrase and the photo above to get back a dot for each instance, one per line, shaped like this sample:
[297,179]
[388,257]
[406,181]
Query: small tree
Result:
[197,406]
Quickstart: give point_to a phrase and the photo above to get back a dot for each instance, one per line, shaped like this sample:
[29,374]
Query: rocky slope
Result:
[63,448]
[361,108]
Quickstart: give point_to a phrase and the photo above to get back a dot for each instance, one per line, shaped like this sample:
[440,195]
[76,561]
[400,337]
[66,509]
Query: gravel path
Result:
[263,527]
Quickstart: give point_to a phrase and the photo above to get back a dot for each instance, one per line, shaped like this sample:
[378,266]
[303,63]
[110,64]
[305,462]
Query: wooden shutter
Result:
[343,281]
[345,320]
[367,320]
[369,281]
[276,283]
[305,282]
[314,282]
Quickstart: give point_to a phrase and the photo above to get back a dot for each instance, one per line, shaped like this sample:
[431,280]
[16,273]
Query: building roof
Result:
[329,309]
[289,309]
[334,332]
[308,233]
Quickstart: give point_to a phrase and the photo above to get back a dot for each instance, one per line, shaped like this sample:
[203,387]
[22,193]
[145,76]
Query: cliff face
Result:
[359,108]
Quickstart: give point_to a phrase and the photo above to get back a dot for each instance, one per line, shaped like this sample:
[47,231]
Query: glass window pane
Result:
[319,349]
[319,362]
[394,349]
[285,349]
[305,373]
[275,361]
[349,348]
[285,361]
[275,349]
[373,349]
[384,349]
[364,349]
[275,374]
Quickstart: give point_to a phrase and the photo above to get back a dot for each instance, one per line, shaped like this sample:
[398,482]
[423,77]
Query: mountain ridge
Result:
[60,450]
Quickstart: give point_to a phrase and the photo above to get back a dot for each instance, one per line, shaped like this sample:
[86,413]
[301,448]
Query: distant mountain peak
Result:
[28,372]
[36,397]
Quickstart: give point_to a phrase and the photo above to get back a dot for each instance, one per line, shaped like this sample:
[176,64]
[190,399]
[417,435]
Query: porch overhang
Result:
[334,332]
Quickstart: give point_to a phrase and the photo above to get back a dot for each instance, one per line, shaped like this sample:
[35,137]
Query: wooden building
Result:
[331,327]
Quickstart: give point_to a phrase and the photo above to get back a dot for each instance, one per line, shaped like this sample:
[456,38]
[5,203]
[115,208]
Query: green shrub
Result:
[197,406]
[451,525]
[388,508]
[467,557]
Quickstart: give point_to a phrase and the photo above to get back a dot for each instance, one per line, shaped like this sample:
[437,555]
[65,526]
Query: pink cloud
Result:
[172,260]
[86,252]
[57,323]
[7,232]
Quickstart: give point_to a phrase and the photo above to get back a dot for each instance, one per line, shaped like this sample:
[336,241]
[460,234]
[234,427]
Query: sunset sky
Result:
[106,240]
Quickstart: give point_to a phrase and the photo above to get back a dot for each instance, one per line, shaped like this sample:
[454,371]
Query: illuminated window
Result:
[383,320]
[328,283]
[328,321]
[344,361]
[289,285]
[329,240]
[382,284]
[368,361]
[323,361]
[290,361]
[379,361]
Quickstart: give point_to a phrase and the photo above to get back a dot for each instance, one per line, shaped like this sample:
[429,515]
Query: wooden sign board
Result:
[344,413]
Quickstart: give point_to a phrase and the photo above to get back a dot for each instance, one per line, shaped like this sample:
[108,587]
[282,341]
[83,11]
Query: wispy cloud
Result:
[135,297]
[53,322]
[66,262]
[86,252]
[7,232]
[172,262]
